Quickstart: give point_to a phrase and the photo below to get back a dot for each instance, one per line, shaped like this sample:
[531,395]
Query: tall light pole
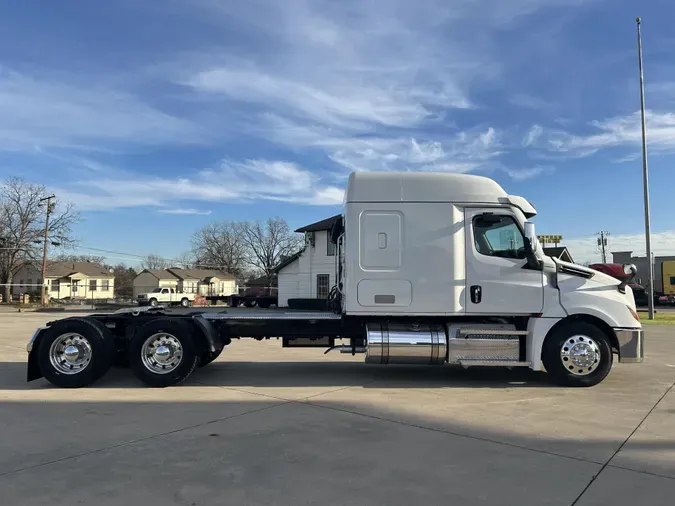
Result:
[645,181]
[44,249]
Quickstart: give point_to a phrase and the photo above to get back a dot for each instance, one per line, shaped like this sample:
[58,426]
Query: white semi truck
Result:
[432,269]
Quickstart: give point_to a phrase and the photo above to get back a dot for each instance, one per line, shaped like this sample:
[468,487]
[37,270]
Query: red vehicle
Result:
[616,271]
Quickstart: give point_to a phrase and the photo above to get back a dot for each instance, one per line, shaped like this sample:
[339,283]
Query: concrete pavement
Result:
[270,426]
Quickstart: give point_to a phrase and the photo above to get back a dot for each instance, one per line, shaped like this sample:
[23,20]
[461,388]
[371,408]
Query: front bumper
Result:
[631,345]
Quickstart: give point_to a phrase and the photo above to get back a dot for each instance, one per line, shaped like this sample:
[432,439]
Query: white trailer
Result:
[433,269]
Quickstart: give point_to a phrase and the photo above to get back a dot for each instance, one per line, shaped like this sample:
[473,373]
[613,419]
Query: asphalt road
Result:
[269,426]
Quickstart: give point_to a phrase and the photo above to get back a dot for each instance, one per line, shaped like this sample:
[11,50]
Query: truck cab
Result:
[459,248]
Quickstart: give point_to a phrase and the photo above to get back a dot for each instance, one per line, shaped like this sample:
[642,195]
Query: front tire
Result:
[163,353]
[76,352]
[153,302]
[577,354]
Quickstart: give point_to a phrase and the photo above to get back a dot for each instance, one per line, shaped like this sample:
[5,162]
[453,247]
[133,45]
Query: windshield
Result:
[156,290]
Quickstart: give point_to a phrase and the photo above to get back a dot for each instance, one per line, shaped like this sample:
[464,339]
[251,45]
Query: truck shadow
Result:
[311,374]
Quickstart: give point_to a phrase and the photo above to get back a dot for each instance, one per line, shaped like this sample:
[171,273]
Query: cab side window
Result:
[498,236]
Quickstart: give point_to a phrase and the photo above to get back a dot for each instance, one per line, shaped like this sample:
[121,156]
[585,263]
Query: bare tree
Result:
[185,261]
[220,246]
[22,215]
[80,258]
[267,242]
[153,262]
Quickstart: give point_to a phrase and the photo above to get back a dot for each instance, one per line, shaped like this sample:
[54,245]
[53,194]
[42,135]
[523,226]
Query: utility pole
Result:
[645,181]
[602,244]
[44,249]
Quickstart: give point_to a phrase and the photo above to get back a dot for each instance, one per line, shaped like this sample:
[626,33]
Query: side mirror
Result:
[531,235]
[531,247]
[631,271]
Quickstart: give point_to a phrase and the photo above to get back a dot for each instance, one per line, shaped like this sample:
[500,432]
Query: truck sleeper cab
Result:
[432,268]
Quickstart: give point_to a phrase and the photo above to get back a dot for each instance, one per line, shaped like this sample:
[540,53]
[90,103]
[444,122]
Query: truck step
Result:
[491,332]
[493,363]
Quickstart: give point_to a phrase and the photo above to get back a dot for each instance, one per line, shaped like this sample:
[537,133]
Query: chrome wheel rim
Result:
[70,353]
[162,353]
[580,355]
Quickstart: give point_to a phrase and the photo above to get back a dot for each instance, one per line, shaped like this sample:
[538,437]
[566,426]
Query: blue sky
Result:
[157,117]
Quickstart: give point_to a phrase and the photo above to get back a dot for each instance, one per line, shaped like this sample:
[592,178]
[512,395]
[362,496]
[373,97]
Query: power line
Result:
[143,257]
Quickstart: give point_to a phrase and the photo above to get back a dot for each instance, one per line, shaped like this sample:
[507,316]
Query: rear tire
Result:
[263,304]
[163,353]
[76,352]
[184,302]
[577,354]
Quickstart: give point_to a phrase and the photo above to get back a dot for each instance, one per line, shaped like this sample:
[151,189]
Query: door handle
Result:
[476,294]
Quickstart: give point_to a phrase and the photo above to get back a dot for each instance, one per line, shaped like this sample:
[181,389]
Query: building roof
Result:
[159,273]
[57,269]
[560,252]
[429,187]
[200,274]
[326,224]
[287,261]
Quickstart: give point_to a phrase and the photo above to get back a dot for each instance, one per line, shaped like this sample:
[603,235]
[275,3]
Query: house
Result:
[200,281]
[559,252]
[310,273]
[74,280]
[205,281]
[148,279]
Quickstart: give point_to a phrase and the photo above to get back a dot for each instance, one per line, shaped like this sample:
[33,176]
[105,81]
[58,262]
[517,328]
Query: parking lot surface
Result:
[269,426]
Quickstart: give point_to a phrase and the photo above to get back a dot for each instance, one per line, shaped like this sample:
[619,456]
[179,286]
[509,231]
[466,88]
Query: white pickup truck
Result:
[167,296]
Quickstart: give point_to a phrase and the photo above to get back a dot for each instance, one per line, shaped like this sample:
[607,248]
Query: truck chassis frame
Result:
[163,349]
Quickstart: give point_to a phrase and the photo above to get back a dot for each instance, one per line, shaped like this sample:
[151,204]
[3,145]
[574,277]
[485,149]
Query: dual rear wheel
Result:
[76,352]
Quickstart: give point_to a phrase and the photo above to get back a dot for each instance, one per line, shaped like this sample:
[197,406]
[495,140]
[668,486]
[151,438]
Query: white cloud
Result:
[614,132]
[339,103]
[364,83]
[532,135]
[528,173]
[464,152]
[185,211]
[586,249]
[47,113]
[245,181]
